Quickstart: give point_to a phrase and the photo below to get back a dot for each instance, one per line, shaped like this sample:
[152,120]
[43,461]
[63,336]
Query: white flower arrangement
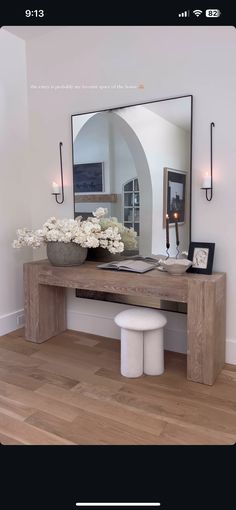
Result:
[90,233]
[128,235]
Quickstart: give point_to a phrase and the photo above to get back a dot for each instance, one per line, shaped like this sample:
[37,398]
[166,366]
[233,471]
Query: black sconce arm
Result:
[62,182]
[209,191]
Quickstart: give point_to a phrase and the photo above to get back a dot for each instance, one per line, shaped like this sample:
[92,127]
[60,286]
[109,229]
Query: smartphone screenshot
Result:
[117,207]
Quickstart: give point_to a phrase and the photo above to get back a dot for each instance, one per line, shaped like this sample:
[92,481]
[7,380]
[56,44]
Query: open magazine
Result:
[135,265]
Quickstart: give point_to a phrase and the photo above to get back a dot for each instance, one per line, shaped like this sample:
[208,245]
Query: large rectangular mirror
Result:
[136,162]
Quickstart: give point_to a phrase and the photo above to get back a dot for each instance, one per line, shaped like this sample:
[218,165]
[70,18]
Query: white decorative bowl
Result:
[176,266]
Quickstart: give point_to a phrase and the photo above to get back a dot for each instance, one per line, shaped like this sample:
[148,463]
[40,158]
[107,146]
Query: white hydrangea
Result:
[128,235]
[26,237]
[90,233]
[101,211]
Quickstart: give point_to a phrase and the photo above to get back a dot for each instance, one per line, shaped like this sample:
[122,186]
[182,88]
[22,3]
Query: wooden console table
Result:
[45,305]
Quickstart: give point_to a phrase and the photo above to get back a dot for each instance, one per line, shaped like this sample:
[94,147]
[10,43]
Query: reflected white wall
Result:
[165,145]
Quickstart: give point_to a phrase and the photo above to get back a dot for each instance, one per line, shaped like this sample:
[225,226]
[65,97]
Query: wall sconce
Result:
[207,183]
[55,188]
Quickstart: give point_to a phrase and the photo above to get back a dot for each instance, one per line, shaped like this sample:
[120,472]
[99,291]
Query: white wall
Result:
[99,139]
[144,177]
[167,61]
[91,145]
[14,183]
[124,167]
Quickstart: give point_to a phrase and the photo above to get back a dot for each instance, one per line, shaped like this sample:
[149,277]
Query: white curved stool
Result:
[142,348]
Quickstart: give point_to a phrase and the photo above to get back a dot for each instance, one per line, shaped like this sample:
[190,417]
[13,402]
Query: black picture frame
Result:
[202,255]
[174,195]
[88,178]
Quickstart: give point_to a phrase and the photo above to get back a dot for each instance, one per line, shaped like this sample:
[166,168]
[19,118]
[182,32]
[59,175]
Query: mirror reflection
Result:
[136,162]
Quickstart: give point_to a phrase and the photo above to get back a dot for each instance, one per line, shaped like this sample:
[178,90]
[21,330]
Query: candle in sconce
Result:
[176,217]
[167,232]
[55,189]
[206,183]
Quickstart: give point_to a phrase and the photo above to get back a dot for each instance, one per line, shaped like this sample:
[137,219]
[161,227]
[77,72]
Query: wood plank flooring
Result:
[69,390]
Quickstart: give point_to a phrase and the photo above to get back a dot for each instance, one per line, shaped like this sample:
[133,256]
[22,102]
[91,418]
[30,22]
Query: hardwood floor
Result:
[69,390]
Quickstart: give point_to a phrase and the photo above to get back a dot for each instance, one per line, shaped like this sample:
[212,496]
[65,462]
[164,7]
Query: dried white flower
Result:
[101,211]
[90,233]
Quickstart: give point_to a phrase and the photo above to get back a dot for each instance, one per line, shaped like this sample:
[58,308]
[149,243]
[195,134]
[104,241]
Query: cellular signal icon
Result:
[184,14]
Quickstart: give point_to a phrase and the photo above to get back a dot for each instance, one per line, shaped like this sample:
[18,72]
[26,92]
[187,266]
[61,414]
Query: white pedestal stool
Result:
[142,347]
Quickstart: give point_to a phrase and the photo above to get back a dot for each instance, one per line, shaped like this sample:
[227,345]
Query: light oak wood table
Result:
[45,305]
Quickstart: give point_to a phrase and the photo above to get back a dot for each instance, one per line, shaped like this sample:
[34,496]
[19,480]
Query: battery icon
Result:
[213,13]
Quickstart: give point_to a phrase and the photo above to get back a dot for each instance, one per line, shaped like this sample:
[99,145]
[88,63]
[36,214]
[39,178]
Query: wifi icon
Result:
[197,12]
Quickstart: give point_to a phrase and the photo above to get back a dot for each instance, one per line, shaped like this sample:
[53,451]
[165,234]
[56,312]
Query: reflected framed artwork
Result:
[89,178]
[174,186]
[202,255]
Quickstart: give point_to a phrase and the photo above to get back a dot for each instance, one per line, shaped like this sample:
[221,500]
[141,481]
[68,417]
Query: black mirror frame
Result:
[139,104]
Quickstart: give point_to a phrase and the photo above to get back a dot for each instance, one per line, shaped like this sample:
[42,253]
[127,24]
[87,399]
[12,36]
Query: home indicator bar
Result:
[119,504]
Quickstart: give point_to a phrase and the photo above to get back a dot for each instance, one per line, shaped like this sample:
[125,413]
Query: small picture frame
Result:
[202,255]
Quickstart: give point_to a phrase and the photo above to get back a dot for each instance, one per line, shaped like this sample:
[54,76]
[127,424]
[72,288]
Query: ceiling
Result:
[30,32]
[176,111]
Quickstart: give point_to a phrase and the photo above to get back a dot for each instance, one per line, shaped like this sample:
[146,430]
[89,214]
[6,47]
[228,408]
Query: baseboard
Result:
[230,352]
[174,339]
[11,321]
[91,323]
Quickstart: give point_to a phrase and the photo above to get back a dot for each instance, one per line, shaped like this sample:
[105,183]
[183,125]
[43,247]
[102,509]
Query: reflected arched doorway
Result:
[109,137]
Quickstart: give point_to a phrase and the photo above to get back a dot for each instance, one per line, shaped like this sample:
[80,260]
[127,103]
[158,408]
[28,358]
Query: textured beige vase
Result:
[66,254]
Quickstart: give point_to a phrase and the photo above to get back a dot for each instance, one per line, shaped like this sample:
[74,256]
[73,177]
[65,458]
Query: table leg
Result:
[206,330]
[45,307]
